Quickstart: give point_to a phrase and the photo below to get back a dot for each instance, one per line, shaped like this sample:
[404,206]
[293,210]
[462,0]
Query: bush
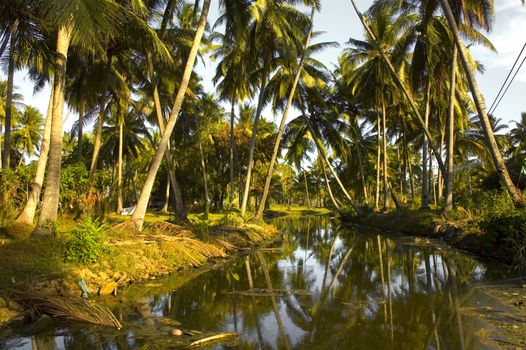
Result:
[86,244]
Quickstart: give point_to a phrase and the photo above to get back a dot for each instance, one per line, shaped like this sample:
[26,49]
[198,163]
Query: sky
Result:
[339,23]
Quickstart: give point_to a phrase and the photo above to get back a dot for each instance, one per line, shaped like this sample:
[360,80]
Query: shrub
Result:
[86,244]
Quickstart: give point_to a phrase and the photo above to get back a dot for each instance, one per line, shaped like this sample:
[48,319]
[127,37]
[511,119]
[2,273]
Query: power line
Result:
[511,81]
[493,106]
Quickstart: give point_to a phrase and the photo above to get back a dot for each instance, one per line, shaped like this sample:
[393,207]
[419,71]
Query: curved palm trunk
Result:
[450,135]
[262,203]
[142,203]
[49,211]
[98,138]
[496,156]
[259,109]
[6,155]
[404,89]
[28,214]
[180,209]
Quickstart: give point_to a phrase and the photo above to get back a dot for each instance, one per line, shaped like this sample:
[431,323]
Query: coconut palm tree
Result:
[28,132]
[496,155]
[142,203]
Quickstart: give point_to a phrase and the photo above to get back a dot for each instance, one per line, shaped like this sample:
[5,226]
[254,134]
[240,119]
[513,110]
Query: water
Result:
[332,288]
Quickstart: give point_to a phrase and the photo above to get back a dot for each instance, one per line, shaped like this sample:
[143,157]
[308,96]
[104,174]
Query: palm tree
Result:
[28,132]
[292,92]
[496,155]
[273,34]
[142,203]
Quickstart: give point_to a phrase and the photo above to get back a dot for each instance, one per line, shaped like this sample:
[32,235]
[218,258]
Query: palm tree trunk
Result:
[49,211]
[80,130]
[180,208]
[232,117]
[119,164]
[333,199]
[425,174]
[450,134]
[266,188]
[259,109]
[496,155]
[6,156]
[203,165]
[142,203]
[98,138]
[306,187]
[384,145]
[404,89]
[378,160]
[321,151]
[166,197]
[441,175]
[362,175]
[28,214]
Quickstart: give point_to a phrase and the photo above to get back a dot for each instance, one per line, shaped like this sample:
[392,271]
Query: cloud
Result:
[507,37]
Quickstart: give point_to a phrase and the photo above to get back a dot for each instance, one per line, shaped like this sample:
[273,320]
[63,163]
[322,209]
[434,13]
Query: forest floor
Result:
[162,248]
[284,210]
[506,317]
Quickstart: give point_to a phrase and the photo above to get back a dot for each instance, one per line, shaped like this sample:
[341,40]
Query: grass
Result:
[160,249]
[299,210]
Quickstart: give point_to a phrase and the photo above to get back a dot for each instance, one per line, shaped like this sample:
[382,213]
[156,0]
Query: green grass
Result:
[299,210]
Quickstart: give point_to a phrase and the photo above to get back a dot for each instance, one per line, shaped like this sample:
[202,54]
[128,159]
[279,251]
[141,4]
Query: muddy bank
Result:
[129,259]
[460,233]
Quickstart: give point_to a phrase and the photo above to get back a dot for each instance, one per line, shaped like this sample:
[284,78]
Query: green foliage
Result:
[86,244]
[15,185]
[74,185]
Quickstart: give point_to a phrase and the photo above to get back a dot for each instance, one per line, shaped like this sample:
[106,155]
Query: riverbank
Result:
[93,259]
[500,237]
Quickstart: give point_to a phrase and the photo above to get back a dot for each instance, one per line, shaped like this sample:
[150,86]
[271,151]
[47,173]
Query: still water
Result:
[323,287]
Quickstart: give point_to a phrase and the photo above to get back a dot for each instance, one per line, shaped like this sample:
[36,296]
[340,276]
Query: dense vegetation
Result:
[398,123]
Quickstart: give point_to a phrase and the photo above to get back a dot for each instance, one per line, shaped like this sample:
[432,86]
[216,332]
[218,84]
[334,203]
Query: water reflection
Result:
[328,288]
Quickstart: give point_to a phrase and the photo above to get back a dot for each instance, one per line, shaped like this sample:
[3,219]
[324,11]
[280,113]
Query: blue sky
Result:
[339,22]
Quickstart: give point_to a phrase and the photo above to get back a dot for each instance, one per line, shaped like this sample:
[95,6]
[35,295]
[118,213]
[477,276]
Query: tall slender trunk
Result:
[306,187]
[259,109]
[6,155]
[28,214]
[80,130]
[404,89]
[98,139]
[384,145]
[491,142]
[119,164]
[180,209]
[266,188]
[362,175]
[49,211]
[450,134]
[321,151]
[166,197]
[425,174]
[203,165]
[142,203]
[232,117]
[378,159]
[333,199]
[440,175]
